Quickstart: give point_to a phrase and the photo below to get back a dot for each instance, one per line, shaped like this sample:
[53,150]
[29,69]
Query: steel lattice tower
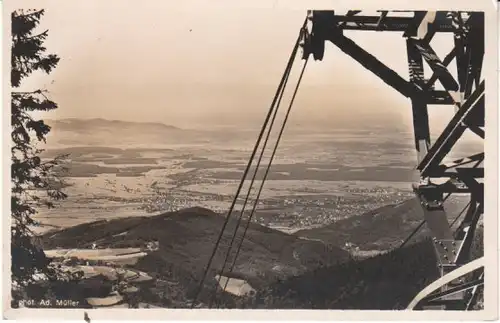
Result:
[466,94]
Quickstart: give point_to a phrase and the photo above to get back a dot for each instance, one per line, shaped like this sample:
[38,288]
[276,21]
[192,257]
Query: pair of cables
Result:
[268,124]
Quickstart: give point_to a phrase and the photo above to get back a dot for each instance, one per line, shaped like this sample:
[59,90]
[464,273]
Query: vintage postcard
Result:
[272,159]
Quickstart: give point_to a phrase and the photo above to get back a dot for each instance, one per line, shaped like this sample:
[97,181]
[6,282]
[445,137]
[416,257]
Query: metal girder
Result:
[412,29]
[462,55]
[437,66]
[463,161]
[371,63]
[476,188]
[437,222]
[454,170]
[474,51]
[452,132]
[465,232]
[418,104]
[381,18]
[377,23]
[454,186]
[446,61]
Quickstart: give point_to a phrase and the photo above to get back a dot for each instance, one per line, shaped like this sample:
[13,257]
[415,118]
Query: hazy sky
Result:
[182,64]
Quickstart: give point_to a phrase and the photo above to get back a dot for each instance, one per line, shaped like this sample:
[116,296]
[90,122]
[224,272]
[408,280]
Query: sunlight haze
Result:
[195,64]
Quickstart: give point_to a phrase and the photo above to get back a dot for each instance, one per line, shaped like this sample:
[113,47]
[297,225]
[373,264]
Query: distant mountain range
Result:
[111,133]
[102,132]
[74,124]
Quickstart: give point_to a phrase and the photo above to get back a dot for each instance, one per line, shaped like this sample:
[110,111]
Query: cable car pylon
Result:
[465,95]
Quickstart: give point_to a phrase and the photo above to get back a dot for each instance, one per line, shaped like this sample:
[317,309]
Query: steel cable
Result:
[264,126]
[267,169]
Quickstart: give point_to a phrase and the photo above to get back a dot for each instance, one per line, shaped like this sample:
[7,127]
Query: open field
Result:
[316,177]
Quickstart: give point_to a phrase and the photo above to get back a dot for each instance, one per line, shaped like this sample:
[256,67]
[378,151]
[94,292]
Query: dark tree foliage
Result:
[35,182]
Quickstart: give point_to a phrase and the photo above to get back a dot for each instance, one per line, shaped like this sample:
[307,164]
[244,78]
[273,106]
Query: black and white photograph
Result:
[206,155]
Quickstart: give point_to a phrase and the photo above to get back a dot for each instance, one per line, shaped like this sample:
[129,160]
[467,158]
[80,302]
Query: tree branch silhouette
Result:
[34,183]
